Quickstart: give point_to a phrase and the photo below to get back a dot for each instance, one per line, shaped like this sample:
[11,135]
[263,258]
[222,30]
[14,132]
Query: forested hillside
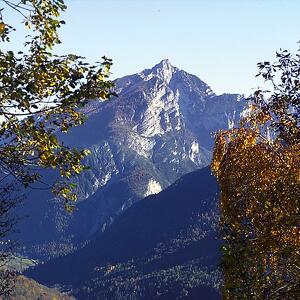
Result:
[166,246]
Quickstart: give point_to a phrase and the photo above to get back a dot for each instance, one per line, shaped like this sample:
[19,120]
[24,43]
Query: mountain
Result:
[163,247]
[157,129]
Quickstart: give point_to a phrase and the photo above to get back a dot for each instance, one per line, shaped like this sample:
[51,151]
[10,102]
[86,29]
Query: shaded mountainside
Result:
[163,247]
[156,130]
[28,289]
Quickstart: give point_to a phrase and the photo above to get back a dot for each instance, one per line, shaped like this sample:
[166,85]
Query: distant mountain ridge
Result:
[157,129]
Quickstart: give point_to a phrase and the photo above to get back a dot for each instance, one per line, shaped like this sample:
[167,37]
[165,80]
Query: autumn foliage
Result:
[258,169]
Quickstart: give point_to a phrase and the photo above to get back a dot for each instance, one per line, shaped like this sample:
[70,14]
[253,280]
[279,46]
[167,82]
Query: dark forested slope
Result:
[163,247]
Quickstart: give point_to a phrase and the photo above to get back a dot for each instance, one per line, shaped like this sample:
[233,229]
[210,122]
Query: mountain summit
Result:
[157,129]
[164,65]
[165,72]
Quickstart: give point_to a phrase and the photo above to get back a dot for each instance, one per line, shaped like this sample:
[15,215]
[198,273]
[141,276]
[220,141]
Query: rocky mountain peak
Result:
[164,65]
[163,71]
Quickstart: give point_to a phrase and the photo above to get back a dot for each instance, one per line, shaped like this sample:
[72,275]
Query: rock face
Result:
[157,129]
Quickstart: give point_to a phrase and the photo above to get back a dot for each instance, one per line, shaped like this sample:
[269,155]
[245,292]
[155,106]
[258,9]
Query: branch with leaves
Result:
[41,95]
[258,169]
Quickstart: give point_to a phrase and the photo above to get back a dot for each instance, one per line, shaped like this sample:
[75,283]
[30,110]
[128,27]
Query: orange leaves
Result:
[260,208]
[220,146]
[2,27]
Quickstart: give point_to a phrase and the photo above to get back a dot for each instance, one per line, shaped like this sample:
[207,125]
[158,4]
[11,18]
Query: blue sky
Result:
[219,41]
